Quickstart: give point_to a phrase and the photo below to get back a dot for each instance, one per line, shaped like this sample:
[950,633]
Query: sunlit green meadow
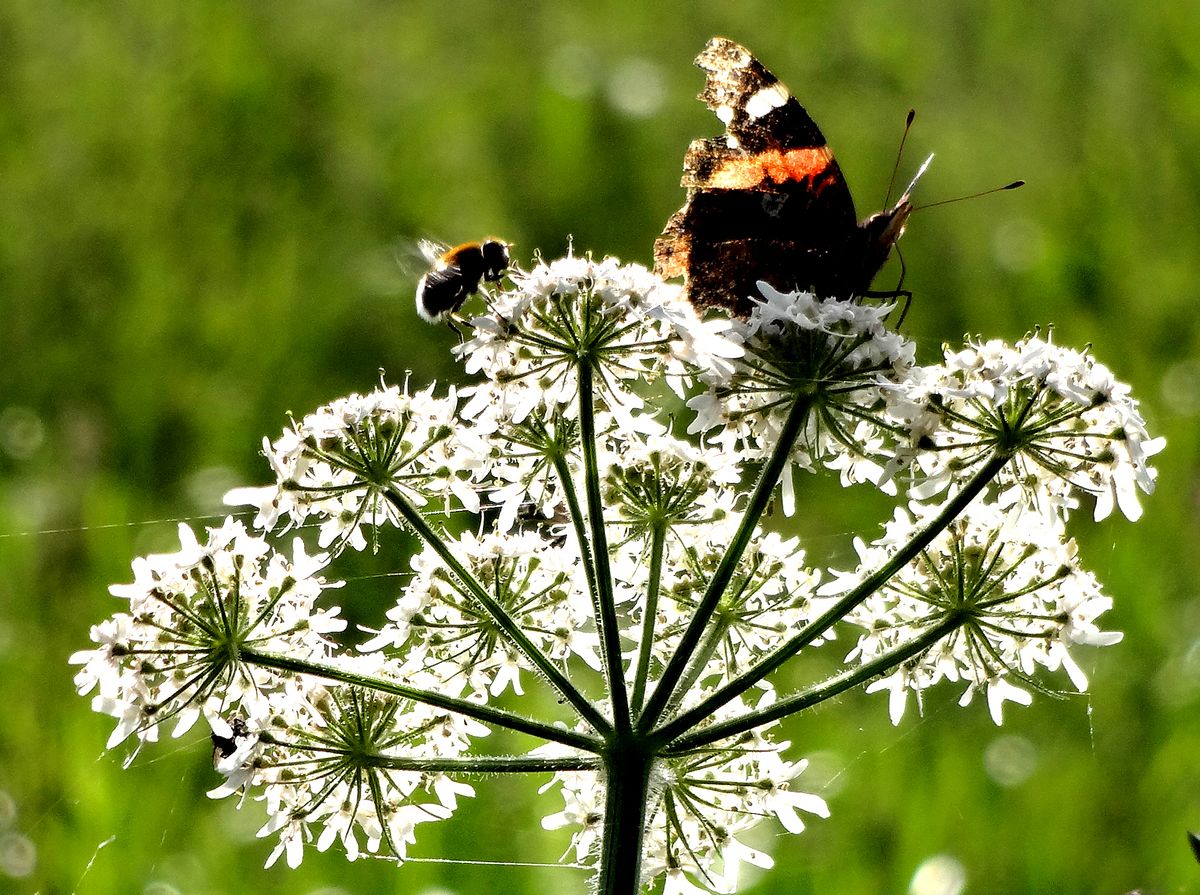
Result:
[207,213]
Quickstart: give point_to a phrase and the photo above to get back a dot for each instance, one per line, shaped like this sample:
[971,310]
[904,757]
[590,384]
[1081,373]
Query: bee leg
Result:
[451,319]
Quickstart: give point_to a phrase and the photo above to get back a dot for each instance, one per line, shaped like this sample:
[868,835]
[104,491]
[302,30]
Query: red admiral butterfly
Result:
[767,201]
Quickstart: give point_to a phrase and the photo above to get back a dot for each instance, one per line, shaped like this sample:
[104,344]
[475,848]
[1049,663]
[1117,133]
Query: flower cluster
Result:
[626,586]
[339,463]
[1070,425]
[629,326]
[770,593]
[705,800]
[836,357]
[437,625]
[1000,590]
[179,651]
[349,762]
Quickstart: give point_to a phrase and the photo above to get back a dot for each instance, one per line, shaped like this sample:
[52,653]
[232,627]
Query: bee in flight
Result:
[455,274]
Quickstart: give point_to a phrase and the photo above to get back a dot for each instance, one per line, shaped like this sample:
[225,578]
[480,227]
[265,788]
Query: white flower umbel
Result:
[1070,424]
[339,463]
[440,627]
[177,652]
[622,601]
[529,344]
[833,361]
[352,763]
[1005,589]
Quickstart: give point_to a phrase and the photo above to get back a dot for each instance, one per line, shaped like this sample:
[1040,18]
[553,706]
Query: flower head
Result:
[1069,425]
[177,651]
[623,595]
[348,762]
[343,462]
[438,627]
[701,803]
[622,323]
[1000,590]
[837,357]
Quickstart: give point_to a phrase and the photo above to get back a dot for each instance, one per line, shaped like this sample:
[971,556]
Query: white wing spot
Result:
[766,99]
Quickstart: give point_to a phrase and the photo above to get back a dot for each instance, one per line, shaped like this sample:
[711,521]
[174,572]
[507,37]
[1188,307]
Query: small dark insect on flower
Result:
[224,746]
[455,274]
[553,526]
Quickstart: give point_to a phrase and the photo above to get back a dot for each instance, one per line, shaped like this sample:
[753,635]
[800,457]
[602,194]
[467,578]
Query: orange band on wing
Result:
[779,167]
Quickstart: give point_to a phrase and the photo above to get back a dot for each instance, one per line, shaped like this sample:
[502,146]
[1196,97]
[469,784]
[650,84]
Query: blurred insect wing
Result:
[431,251]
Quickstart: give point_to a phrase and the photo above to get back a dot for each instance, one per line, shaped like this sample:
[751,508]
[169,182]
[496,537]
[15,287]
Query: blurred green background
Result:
[201,207]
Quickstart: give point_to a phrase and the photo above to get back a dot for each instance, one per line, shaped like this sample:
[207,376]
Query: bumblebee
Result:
[455,274]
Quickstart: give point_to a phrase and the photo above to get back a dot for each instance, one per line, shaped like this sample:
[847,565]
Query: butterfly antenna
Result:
[996,189]
[912,113]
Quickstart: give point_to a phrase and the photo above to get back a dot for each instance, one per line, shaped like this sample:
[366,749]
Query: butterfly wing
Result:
[766,200]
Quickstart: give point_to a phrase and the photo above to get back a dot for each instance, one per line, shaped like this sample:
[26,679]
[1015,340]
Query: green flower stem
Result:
[482,713]
[835,686]
[603,599]
[578,523]
[515,635]
[712,639]
[658,537]
[627,767]
[757,505]
[837,612]
[482,764]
